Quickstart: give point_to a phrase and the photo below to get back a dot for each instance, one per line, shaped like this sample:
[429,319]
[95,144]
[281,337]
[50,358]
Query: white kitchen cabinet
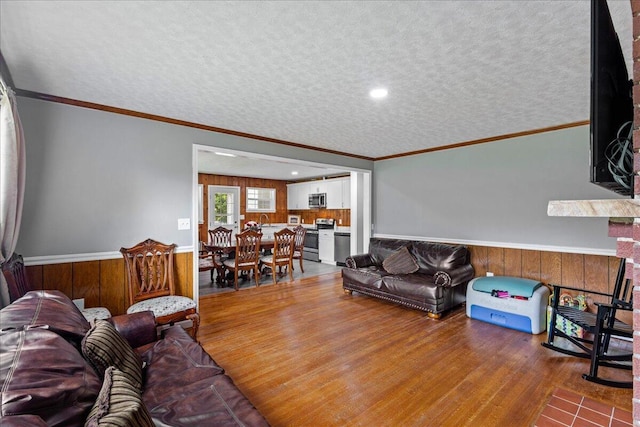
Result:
[326,246]
[319,186]
[292,196]
[334,193]
[346,193]
[339,193]
[297,196]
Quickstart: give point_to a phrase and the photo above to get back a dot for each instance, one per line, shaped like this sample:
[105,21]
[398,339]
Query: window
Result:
[261,199]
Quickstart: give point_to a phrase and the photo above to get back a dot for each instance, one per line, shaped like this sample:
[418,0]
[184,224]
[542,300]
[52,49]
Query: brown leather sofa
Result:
[437,285]
[46,381]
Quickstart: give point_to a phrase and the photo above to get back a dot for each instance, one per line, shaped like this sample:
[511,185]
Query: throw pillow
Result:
[119,403]
[400,262]
[103,346]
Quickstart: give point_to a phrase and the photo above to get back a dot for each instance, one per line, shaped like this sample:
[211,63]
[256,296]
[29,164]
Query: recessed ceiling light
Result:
[294,173]
[225,154]
[378,93]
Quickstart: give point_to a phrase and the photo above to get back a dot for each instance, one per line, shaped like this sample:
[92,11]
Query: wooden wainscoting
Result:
[589,272]
[595,272]
[102,283]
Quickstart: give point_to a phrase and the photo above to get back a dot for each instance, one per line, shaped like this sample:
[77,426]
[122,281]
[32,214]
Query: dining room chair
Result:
[247,255]
[150,279]
[282,255]
[220,237]
[298,250]
[206,262]
[18,284]
[16,277]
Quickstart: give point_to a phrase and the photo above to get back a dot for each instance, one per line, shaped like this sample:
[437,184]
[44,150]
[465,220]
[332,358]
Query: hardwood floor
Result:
[306,354]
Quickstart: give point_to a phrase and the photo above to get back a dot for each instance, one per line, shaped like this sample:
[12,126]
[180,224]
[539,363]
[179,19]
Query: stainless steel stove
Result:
[310,251]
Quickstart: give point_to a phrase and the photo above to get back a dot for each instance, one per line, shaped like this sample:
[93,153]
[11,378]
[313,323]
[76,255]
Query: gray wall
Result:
[493,192]
[97,181]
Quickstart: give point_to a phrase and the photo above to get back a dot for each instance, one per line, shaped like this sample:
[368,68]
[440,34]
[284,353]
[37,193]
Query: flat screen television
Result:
[611,106]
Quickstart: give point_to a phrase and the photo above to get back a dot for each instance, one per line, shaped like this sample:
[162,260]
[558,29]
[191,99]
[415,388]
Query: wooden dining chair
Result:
[16,277]
[150,278]
[282,256]
[206,262]
[221,237]
[298,250]
[247,255]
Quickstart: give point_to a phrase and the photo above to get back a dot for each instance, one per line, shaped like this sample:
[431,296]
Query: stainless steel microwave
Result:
[318,200]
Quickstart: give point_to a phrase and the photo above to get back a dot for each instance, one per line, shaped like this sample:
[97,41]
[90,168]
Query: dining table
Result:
[265,245]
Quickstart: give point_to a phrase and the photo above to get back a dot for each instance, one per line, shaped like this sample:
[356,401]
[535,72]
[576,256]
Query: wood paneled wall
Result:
[595,272]
[588,272]
[278,217]
[103,283]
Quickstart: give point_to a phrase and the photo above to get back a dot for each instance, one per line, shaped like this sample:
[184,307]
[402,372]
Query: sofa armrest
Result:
[461,275]
[359,261]
[137,328]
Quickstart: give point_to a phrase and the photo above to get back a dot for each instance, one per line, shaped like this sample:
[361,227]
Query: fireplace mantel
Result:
[621,208]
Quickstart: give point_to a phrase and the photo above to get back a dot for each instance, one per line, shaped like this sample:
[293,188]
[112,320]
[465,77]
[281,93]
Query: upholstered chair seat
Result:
[96,313]
[205,263]
[163,306]
[268,259]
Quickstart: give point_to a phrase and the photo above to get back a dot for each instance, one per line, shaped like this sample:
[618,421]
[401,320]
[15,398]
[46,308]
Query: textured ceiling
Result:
[260,166]
[456,71]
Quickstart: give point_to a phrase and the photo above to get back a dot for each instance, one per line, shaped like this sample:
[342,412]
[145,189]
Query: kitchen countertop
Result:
[340,228]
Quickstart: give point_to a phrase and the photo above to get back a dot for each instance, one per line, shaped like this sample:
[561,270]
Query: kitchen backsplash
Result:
[310,215]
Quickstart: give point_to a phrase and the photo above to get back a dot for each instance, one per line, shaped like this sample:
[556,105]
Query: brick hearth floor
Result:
[566,408]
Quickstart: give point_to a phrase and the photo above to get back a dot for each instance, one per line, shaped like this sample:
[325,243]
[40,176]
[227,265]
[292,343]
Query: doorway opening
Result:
[225,162]
[223,207]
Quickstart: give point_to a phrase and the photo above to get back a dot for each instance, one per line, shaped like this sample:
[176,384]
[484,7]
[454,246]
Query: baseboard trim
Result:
[93,256]
[507,245]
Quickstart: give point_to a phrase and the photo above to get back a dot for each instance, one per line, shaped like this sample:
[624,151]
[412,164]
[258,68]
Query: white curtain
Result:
[12,178]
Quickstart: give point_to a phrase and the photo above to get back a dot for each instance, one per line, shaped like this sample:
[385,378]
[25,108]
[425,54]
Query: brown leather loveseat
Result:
[46,381]
[427,276]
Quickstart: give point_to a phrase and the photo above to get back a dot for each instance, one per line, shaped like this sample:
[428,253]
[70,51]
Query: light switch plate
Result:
[184,223]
